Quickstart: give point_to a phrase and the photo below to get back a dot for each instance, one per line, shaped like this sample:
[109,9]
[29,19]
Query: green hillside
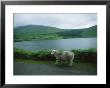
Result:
[79,33]
[39,32]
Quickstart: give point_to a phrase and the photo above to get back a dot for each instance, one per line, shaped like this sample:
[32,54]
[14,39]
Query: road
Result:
[21,68]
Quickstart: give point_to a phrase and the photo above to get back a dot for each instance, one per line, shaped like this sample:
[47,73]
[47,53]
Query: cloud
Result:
[64,21]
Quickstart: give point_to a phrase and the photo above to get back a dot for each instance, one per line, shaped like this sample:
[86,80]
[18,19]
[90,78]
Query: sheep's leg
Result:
[71,61]
[56,61]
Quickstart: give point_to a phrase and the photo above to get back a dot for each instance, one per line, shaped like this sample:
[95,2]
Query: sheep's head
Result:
[54,52]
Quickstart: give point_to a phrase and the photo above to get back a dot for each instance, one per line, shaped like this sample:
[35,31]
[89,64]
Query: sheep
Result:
[64,56]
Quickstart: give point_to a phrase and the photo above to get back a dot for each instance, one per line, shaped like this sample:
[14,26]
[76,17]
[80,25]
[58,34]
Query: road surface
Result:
[21,68]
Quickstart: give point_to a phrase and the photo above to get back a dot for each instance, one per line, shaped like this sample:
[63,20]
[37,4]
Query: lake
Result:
[65,44]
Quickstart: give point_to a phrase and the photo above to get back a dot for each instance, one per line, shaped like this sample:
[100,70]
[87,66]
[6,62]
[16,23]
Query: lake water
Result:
[65,44]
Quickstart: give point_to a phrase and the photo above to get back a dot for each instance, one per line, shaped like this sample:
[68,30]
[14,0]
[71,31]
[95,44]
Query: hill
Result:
[39,32]
[79,33]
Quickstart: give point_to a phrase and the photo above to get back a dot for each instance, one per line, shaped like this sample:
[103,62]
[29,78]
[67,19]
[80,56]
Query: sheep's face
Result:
[53,52]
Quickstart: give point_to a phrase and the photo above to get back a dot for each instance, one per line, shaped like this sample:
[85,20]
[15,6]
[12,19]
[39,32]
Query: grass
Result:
[84,55]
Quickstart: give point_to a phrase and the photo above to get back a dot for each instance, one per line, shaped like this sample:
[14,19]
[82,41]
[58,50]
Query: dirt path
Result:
[21,68]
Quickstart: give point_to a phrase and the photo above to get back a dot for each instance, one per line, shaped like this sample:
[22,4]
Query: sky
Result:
[63,21]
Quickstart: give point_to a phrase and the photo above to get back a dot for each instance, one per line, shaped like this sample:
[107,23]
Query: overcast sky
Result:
[64,21]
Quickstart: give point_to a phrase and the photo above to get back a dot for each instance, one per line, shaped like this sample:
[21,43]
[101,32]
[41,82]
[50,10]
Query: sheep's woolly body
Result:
[64,56]
[67,55]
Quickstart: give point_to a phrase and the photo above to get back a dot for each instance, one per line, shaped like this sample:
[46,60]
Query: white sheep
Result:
[64,56]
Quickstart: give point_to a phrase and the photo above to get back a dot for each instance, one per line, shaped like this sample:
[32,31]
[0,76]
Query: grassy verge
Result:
[89,55]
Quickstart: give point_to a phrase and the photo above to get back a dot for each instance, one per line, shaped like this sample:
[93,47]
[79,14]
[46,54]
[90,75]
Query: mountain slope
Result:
[74,33]
[38,32]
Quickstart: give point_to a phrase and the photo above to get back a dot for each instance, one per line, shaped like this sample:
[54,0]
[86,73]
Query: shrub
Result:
[89,55]
[19,53]
[38,55]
